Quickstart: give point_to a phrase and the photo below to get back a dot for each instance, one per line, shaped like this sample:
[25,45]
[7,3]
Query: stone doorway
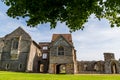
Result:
[113,68]
[61,69]
[40,67]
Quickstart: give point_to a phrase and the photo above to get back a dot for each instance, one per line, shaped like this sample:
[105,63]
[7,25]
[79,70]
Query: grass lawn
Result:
[37,76]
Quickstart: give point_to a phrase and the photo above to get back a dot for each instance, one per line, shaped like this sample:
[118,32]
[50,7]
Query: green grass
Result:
[37,76]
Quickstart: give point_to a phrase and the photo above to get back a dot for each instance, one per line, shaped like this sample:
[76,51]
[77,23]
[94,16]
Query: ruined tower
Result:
[108,56]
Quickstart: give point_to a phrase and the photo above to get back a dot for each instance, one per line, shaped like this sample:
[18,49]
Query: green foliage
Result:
[74,13]
[37,76]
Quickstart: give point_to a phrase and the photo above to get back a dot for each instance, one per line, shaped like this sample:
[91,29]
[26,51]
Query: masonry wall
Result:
[91,67]
[44,61]
[19,63]
[1,46]
[109,67]
[112,66]
[33,58]
[66,59]
[15,51]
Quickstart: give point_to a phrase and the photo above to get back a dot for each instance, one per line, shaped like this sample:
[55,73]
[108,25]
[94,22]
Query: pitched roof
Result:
[68,37]
[18,32]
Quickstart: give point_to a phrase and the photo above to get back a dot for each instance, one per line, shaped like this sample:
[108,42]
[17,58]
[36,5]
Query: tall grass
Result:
[37,76]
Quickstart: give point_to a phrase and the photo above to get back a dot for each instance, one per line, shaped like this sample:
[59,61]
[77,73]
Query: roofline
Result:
[36,44]
[63,38]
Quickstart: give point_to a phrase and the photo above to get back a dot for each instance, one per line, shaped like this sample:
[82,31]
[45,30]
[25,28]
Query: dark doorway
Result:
[41,68]
[38,66]
[113,68]
[60,69]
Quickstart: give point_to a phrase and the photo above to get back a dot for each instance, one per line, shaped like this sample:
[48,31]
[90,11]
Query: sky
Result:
[96,38]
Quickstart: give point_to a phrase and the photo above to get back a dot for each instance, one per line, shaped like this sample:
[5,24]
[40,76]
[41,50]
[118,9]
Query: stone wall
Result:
[19,62]
[1,44]
[33,58]
[91,67]
[112,67]
[61,59]
[45,59]
[108,56]
[14,57]
[66,59]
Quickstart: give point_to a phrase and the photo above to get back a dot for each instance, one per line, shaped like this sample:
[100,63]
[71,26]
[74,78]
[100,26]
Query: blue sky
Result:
[96,38]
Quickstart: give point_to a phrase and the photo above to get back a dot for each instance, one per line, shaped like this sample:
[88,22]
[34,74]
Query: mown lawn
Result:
[35,76]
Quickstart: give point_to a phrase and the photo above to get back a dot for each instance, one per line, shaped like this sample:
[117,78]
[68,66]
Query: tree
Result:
[75,13]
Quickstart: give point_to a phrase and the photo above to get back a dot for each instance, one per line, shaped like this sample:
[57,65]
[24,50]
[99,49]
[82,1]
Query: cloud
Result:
[96,39]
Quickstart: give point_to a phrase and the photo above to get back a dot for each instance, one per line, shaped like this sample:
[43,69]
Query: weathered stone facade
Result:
[108,66]
[18,52]
[15,50]
[58,58]
[111,64]
[91,67]
[44,61]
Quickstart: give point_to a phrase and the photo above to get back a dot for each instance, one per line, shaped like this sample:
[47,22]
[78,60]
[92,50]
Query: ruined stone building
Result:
[108,66]
[18,52]
[59,54]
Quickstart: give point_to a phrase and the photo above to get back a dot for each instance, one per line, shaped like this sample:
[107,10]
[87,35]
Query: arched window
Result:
[20,66]
[41,68]
[113,68]
[60,50]
[7,66]
[15,43]
[85,67]
[96,68]
[14,48]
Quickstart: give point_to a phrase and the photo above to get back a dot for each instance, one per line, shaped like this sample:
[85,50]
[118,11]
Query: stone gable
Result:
[17,33]
[67,37]
[64,58]
[15,49]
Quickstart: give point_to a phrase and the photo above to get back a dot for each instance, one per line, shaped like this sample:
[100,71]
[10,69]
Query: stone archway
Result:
[113,68]
[61,69]
[40,67]
[96,68]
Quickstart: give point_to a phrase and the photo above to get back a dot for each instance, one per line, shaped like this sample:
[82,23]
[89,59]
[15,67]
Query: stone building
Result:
[62,54]
[109,66]
[18,52]
[58,55]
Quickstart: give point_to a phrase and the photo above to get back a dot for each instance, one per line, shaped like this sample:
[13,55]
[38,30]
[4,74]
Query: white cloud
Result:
[96,39]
